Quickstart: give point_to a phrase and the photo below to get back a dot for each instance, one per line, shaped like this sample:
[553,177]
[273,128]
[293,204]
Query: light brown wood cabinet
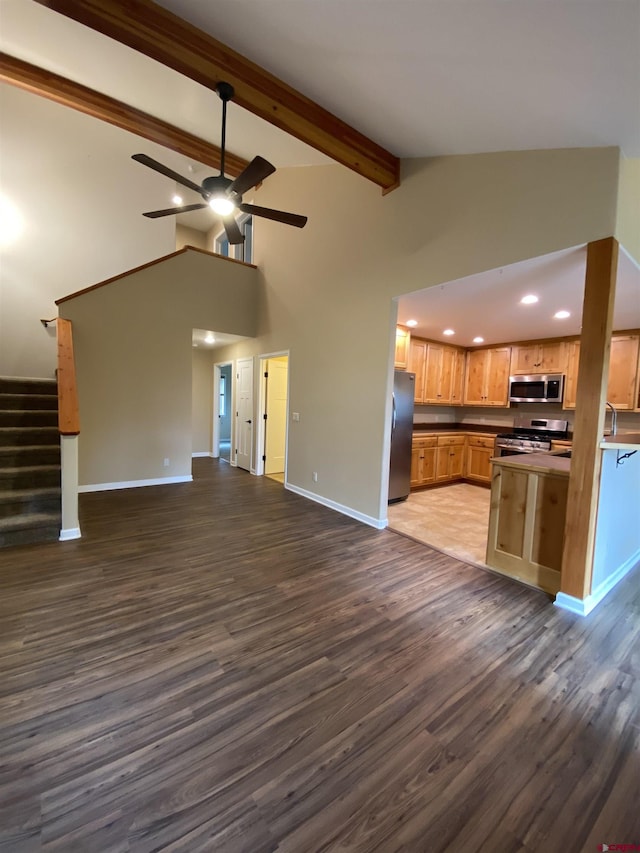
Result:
[423,461]
[479,453]
[403,338]
[539,358]
[439,372]
[622,387]
[450,457]
[487,377]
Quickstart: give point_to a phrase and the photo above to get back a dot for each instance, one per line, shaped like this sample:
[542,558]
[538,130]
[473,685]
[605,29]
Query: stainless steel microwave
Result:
[536,388]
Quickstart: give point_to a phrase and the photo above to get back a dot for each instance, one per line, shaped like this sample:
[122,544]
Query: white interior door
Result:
[276,410]
[244,412]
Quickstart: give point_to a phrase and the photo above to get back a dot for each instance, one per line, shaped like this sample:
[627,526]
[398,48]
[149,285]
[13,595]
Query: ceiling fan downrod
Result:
[225,93]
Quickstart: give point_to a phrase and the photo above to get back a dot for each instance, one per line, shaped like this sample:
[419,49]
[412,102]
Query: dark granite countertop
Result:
[489,429]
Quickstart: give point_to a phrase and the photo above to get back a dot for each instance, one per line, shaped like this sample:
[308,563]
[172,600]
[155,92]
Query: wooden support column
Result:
[584,479]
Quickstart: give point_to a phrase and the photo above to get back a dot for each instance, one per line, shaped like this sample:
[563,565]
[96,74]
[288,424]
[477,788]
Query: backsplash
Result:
[627,421]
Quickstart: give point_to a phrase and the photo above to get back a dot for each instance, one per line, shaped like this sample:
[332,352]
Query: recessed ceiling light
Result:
[529,299]
[411,323]
[209,339]
[448,332]
[478,340]
[177,199]
[562,315]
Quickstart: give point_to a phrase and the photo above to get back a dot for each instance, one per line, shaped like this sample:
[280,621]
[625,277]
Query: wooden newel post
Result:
[588,429]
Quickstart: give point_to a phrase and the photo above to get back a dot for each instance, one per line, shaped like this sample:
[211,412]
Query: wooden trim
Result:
[52,86]
[150,264]
[163,36]
[68,417]
[584,476]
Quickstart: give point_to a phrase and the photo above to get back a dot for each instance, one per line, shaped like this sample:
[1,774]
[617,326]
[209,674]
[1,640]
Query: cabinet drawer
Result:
[424,441]
[481,441]
[449,440]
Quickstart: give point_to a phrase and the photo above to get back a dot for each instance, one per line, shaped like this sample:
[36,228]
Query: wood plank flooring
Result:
[224,666]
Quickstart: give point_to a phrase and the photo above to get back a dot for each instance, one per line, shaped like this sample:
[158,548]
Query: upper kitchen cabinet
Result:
[403,338]
[487,377]
[622,387]
[439,371]
[540,357]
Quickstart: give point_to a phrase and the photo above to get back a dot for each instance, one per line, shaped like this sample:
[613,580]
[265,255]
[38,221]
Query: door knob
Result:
[247,422]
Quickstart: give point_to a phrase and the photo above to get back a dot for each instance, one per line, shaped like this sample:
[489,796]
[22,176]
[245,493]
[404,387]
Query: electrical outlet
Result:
[315,476]
[166,461]
[295,416]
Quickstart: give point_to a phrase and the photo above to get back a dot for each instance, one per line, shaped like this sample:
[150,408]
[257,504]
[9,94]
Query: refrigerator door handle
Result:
[395,413]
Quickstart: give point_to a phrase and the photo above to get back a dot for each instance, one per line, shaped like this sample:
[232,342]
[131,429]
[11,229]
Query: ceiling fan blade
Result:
[277,215]
[234,235]
[154,214]
[257,170]
[165,170]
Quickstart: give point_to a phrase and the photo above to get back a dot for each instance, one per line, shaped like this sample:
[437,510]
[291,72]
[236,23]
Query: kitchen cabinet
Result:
[450,457]
[479,453]
[487,377]
[539,357]
[423,461]
[403,339]
[622,386]
[439,372]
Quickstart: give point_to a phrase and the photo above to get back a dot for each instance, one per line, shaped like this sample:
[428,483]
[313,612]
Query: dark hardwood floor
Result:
[225,666]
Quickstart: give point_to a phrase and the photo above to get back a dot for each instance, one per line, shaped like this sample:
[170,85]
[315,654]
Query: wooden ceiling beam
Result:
[163,36]
[52,86]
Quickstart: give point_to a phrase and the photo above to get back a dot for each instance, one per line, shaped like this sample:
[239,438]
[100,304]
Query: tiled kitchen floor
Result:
[453,519]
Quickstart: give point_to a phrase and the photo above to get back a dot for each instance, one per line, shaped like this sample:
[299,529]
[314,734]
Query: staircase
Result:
[30,494]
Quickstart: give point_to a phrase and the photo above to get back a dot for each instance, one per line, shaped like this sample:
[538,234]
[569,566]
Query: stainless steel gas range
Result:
[530,435]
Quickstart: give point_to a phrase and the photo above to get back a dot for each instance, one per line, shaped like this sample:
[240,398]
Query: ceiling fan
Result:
[224,195]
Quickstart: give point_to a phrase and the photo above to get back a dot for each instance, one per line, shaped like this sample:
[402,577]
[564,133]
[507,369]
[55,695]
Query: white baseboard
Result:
[134,484]
[378,523]
[201,453]
[69,533]
[584,606]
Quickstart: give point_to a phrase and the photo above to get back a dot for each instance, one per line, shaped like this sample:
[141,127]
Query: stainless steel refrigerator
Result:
[401,435]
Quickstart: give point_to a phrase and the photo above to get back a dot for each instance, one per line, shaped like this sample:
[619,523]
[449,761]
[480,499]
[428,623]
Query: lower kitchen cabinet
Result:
[423,461]
[479,453]
[450,457]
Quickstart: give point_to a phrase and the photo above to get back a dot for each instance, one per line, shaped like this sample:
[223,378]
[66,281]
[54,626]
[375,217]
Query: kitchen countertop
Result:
[440,427]
[545,462]
[621,441]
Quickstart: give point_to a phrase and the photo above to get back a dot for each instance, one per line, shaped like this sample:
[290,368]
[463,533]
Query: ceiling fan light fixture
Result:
[221,205]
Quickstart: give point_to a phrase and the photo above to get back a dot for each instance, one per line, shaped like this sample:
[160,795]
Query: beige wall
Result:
[328,289]
[80,198]
[192,237]
[628,224]
[201,400]
[133,353]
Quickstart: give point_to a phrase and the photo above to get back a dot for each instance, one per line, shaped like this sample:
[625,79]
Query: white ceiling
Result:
[202,338]
[488,304]
[422,78]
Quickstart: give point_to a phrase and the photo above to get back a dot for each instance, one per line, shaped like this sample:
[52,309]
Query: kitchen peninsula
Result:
[528,508]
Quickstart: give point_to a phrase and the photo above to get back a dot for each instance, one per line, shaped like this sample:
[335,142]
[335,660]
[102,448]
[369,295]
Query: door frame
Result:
[215,432]
[262,410]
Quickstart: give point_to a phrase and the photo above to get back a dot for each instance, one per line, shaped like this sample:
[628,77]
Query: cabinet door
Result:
[457,381]
[478,464]
[432,373]
[417,356]
[428,474]
[553,358]
[456,461]
[622,389]
[571,378]
[442,463]
[474,382]
[416,465]
[403,336]
[446,375]
[497,382]
[525,359]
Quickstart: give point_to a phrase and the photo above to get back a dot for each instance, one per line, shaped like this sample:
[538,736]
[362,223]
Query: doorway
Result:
[243,435]
[272,436]
[222,410]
